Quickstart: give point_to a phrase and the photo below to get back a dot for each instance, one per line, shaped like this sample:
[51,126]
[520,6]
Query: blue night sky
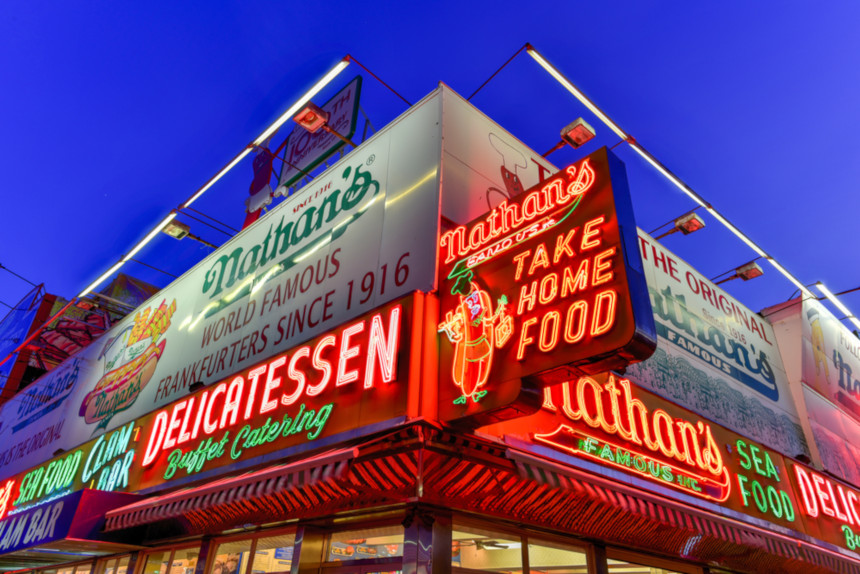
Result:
[111,114]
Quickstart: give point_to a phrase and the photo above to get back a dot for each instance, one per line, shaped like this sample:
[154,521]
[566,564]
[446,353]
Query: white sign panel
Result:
[831,372]
[482,163]
[715,356]
[360,235]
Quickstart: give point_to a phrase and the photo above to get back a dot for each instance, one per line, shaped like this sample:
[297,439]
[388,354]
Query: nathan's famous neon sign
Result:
[363,353]
[614,428]
[510,217]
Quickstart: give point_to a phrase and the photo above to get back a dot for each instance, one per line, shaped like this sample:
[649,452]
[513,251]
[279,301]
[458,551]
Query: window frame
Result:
[253,536]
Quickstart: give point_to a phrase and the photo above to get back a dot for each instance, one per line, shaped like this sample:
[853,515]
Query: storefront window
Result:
[156,563]
[232,557]
[556,558]
[485,550]
[366,544]
[625,567]
[113,565]
[170,561]
[273,555]
[84,568]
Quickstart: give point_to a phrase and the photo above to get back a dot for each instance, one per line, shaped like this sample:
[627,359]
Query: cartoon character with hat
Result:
[476,331]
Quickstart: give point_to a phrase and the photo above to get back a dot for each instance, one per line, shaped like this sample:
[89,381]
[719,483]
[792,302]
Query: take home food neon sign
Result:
[355,358]
[547,285]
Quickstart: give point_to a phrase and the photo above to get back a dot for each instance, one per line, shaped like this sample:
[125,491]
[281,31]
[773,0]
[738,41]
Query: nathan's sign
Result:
[548,284]
[733,370]
[606,423]
[304,151]
[352,377]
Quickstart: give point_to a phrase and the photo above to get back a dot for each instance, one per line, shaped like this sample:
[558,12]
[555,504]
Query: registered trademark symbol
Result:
[370,159]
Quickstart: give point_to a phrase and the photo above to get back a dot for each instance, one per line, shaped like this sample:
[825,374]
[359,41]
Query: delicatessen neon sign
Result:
[312,391]
[542,286]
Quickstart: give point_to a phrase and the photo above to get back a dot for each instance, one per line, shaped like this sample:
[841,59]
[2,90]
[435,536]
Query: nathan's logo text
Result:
[288,235]
[614,428]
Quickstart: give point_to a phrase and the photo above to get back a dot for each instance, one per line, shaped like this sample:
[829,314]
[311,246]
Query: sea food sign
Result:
[547,285]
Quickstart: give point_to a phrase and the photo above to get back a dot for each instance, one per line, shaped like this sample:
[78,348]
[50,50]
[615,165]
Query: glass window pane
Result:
[156,563]
[84,568]
[184,560]
[122,565]
[623,567]
[552,558]
[273,554]
[66,570]
[480,549]
[232,557]
[110,566]
[366,544]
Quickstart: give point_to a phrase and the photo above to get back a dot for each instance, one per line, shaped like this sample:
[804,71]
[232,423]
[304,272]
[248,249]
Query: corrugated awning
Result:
[328,482]
[313,479]
[494,479]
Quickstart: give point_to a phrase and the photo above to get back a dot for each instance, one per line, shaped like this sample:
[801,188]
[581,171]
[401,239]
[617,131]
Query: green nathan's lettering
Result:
[241,262]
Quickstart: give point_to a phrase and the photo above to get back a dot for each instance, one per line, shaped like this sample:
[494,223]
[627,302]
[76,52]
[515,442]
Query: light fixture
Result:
[574,134]
[312,117]
[746,272]
[179,230]
[838,304]
[686,224]
[577,133]
[176,229]
[647,156]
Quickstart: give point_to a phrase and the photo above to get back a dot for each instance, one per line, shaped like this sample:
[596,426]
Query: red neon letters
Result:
[336,360]
[822,495]
[612,409]
[509,217]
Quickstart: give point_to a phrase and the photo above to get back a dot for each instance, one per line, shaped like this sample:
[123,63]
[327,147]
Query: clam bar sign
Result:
[44,523]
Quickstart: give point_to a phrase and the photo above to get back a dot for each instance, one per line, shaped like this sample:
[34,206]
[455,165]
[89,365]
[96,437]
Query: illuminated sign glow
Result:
[546,287]
[822,495]
[508,217]
[6,497]
[654,445]
[322,387]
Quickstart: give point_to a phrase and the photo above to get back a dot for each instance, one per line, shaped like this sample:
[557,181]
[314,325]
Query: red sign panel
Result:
[546,285]
[609,422]
[355,376]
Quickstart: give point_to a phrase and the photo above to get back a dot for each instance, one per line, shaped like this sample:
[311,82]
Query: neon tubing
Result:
[838,304]
[291,111]
[647,156]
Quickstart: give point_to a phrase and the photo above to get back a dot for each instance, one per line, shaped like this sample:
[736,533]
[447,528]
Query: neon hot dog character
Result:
[476,331]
